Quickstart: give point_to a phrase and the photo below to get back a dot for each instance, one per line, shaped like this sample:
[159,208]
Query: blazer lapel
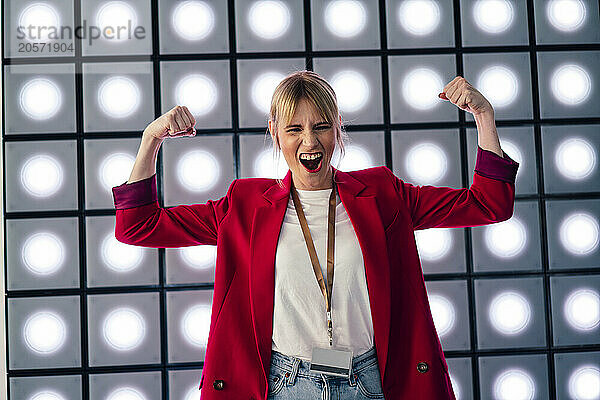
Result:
[364,215]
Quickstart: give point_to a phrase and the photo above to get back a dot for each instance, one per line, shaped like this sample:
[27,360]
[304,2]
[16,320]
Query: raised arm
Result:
[139,219]
[490,198]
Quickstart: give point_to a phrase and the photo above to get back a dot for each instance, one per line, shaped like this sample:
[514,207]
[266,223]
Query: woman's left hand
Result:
[460,93]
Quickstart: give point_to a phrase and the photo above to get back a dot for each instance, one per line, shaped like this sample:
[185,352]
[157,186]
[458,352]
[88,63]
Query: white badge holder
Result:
[331,361]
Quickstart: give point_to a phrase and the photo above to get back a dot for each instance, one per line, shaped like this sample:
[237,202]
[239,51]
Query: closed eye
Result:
[322,127]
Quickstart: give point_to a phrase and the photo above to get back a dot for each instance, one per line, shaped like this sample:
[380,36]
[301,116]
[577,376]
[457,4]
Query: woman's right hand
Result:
[176,122]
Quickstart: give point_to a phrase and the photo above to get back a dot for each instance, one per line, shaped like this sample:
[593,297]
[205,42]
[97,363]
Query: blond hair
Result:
[317,91]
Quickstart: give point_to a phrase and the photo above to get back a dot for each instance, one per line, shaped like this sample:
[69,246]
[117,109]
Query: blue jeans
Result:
[290,378]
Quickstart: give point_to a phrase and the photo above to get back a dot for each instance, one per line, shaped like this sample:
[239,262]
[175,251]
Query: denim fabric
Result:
[290,378]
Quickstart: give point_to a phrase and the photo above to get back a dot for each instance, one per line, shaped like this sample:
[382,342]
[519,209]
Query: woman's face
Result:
[307,144]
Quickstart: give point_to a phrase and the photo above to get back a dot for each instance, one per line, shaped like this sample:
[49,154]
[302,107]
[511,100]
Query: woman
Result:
[281,325]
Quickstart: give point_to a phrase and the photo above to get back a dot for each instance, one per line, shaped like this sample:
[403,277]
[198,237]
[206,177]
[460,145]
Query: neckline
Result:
[318,190]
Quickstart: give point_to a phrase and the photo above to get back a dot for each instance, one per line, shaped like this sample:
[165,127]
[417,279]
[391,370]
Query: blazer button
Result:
[218,384]
[422,367]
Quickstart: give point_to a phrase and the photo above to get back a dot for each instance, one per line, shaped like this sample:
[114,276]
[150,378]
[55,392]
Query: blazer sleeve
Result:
[490,198]
[141,221]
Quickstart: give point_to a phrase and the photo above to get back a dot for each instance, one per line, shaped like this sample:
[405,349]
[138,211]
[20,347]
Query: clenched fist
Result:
[460,93]
[176,122]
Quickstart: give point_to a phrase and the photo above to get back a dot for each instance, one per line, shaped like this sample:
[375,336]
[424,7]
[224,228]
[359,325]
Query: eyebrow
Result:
[300,126]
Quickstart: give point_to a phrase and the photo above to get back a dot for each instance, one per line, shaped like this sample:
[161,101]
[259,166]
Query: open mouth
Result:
[311,161]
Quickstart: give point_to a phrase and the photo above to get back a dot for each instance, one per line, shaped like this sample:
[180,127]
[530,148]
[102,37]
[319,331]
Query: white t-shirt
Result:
[299,314]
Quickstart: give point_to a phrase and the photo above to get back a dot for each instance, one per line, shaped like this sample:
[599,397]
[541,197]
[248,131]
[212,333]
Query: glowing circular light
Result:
[43,17]
[43,253]
[193,393]
[493,16]
[199,257]
[455,386]
[126,393]
[266,166]
[582,309]
[499,85]
[443,314]
[198,170]
[345,18]
[509,313]
[351,89]
[262,90]
[193,20]
[115,169]
[506,239]
[40,99]
[120,257]
[46,395]
[426,163]
[571,84]
[575,158]
[44,332]
[119,96]
[41,175]
[356,158]
[433,244]
[269,19]
[514,384]
[420,88]
[515,153]
[419,17]
[124,329]
[579,233]
[195,324]
[566,15]
[197,92]
[584,383]
[112,15]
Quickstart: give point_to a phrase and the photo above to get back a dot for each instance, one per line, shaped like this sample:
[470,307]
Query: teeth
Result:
[309,156]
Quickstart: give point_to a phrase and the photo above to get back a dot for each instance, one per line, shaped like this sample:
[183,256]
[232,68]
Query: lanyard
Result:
[313,254]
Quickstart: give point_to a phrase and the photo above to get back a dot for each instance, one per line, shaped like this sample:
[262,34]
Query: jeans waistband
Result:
[292,363]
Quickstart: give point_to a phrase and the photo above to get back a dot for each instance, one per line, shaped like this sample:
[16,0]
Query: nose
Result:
[310,139]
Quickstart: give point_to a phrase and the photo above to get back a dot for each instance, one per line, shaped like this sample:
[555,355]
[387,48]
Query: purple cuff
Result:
[135,194]
[491,165]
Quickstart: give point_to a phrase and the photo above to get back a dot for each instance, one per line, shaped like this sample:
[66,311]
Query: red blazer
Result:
[384,212]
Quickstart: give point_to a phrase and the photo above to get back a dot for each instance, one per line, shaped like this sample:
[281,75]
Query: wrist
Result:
[151,141]
[484,117]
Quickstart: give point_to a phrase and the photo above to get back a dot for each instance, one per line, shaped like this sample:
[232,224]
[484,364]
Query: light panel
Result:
[514,377]
[493,22]
[448,303]
[566,21]
[193,26]
[571,158]
[509,312]
[419,24]
[509,245]
[42,98]
[116,27]
[269,25]
[426,157]
[193,20]
[567,81]
[117,96]
[504,297]
[357,85]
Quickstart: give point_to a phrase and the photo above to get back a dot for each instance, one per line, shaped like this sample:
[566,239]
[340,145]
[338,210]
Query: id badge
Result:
[330,361]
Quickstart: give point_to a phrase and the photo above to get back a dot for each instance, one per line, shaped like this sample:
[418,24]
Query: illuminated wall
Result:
[516,304]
